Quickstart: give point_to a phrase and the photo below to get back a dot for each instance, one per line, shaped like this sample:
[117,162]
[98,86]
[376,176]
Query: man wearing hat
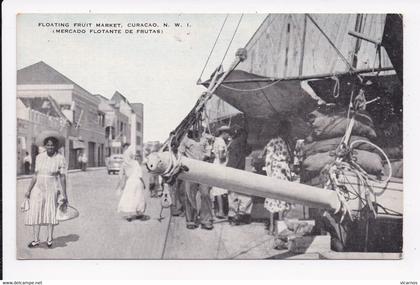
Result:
[220,154]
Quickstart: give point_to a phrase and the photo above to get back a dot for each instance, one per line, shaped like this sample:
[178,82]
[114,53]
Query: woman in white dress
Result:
[46,186]
[133,201]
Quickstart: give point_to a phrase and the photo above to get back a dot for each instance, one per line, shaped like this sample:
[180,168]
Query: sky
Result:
[158,70]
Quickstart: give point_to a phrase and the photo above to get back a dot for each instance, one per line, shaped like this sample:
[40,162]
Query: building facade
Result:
[92,124]
[117,132]
[137,128]
[80,107]
[35,115]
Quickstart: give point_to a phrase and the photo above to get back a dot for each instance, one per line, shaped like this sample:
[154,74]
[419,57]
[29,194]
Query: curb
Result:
[21,177]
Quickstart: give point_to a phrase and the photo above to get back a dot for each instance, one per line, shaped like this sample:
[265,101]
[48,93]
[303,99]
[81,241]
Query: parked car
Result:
[114,163]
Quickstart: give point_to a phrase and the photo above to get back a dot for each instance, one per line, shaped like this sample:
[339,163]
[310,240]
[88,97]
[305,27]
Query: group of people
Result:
[202,204]
[47,194]
[229,148]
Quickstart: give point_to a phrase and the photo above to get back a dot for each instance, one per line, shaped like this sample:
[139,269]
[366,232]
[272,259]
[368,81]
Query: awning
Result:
[265,102]
[77,144]
[258,97]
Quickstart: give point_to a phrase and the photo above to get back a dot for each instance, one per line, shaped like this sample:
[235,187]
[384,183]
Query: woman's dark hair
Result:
[53,139]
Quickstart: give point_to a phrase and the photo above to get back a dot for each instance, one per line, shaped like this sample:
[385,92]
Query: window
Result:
[138,126]
[77,113]
[138,140]
[101,119]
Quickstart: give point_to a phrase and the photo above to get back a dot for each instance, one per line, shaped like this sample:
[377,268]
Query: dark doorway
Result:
[91,154]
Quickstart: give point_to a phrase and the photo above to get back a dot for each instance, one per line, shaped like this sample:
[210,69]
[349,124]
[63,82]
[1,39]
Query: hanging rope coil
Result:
[174,167]
[386,158]
[345,161]
[336,90]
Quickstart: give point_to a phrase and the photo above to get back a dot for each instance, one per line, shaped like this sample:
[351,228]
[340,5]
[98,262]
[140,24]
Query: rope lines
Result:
[231,40]
[331,42]
[250,90]
[212,49]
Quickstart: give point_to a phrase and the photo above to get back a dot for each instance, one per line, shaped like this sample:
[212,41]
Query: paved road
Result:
[99,232]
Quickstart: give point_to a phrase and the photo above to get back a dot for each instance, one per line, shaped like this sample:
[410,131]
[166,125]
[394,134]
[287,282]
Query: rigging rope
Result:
[344,161]
[250,90]
[212,49]
[384,155]
[231,40]
[333,45]
[336,90]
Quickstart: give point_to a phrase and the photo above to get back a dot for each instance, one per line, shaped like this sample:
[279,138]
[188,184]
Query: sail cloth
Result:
[288,45]
[266,103]
[264,99]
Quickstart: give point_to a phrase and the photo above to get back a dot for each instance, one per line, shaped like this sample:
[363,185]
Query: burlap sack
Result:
[332,127]
[331,144]
[369,161]
[397,169]
[393,152]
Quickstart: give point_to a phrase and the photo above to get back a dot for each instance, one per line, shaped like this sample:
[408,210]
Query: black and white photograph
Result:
[209,136]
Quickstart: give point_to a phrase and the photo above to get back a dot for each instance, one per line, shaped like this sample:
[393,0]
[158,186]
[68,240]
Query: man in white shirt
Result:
[27,161]
[195,148]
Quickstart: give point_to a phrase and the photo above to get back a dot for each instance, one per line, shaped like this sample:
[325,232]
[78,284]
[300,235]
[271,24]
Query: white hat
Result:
[41,137]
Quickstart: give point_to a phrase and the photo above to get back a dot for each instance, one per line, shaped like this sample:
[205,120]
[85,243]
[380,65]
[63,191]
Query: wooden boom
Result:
[244,182]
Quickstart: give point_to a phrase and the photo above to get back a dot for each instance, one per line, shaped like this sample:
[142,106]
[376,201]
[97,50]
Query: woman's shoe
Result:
[33,244]
[49,243]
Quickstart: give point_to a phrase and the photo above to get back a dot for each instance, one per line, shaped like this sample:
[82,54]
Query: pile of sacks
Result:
[395,155]
[328,130]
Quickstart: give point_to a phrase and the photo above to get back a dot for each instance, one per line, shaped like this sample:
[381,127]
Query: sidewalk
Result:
[24,176]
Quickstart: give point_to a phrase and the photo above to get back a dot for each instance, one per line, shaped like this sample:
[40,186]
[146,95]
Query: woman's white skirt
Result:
[133,200]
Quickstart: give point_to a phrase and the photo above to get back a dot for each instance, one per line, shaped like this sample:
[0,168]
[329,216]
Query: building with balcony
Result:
[116,126]
[35,115]
[137,128]
[78,105]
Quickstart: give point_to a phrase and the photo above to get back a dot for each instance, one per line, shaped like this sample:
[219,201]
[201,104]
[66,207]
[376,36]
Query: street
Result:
[101,233]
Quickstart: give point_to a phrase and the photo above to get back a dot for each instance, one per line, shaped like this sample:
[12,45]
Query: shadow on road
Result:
[62,241]
[143,218]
